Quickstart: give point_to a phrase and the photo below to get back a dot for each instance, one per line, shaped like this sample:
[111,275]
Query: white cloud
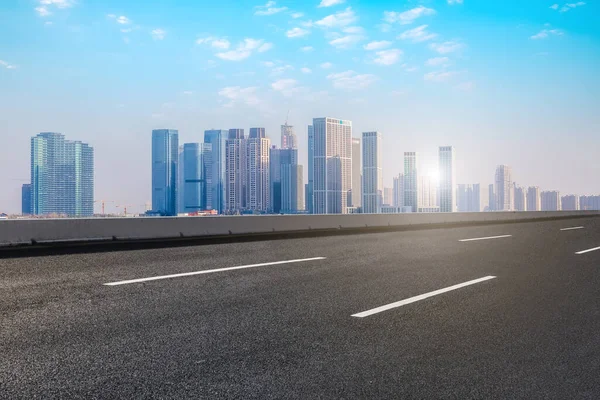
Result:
[306,49]
[287,87]
[452,2]
[466,86]
[268,64]
[123,20]
[269,9]
[326,65]
[237,94]
[338,20]
[384,27]
[7,65]
[377,45]
[58,3]
[446,47]
[437,61]
[306,70]
[569,6]
[281,69]
[354,30]
[350,80]
[158,34]
[554,6]
[346,42]
[387,57]
[543,34]
[329,3]
[43,11]
[244,49]
[418,34]
[217,43]
[441,76]
[297,15]
[297,32]
[407,17]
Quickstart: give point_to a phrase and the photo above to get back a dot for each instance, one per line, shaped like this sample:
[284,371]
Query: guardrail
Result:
[40,231]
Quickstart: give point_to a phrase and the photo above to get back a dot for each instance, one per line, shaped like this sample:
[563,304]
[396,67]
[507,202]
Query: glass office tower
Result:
[165,152]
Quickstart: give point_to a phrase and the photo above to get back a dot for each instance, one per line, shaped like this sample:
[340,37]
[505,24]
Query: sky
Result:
[505,82]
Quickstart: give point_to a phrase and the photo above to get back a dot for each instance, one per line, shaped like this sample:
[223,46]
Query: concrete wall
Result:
[14,232]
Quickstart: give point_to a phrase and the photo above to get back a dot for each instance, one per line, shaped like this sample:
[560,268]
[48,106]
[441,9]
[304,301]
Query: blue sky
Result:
[511,82]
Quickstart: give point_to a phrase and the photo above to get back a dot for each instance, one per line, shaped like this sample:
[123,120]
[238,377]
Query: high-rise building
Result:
[180,181]
[165,162]
[26,208]
[292,186]
[590,202]
[388,195]
[534,200]
[570,203]
[332,165]
[551,201]
[472,198]
[288,137]
[192,178]
[411,195]
[356,195]
[427,192]
[491,197]
[372,187]
[62,176]
[398,191]
[275,179]
[520,198]
[214,173]
[504,189]
[235,171]
[258,197]
[310,188]
[447,170]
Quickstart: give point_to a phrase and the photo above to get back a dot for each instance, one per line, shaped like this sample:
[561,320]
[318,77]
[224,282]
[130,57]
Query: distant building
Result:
[388,196]
[235,171]
[398,191]
[432,209]
[427,192]
[310,184]
[214,168]
[192,178]
[472,198]
[551,201]
[447,169]
[288,137]
[292,186]
[570,203]
[26,208]
[520,198]
[275,178]
[372,187]
[165,162]
[534,199]
[258,197]
[411,195]
[504,189]
[589,202]
[180,182]
[332,165]
[62,176]
[356,195]
[492,198]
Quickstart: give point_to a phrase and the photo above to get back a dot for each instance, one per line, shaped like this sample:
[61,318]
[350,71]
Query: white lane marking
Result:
[573,228]
[209,271]
[588,250]
[420,297]
[485,238]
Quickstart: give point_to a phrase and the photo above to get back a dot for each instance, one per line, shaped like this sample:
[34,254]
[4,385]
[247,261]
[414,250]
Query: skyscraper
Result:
[447,179]
[426,192]
[292,185]
[388,194]
[372,173]
[492,197]
[275,178]
[62,176]
[192,177]
[258,197]
[398,191]
[214,175]
[310,188]
[288,137]
[180,181]
[26,208]
[520,198]
[504,189]
[534,200]
[356,195]
[332,165]
[472,198]
[570,203]
[165,161]
[411,198]
[235,171]
[551,201]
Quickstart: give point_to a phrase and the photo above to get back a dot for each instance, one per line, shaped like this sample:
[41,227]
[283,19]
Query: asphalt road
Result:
[294,330]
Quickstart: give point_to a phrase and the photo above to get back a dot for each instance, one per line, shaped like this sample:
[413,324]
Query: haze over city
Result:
[504,83]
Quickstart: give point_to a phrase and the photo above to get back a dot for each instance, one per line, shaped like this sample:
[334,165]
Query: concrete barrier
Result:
[18,232]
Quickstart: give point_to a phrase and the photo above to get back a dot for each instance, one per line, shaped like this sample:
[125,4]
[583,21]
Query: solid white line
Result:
[209,271]
[588,250]
[420,297]
[485,238]
[573,228]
